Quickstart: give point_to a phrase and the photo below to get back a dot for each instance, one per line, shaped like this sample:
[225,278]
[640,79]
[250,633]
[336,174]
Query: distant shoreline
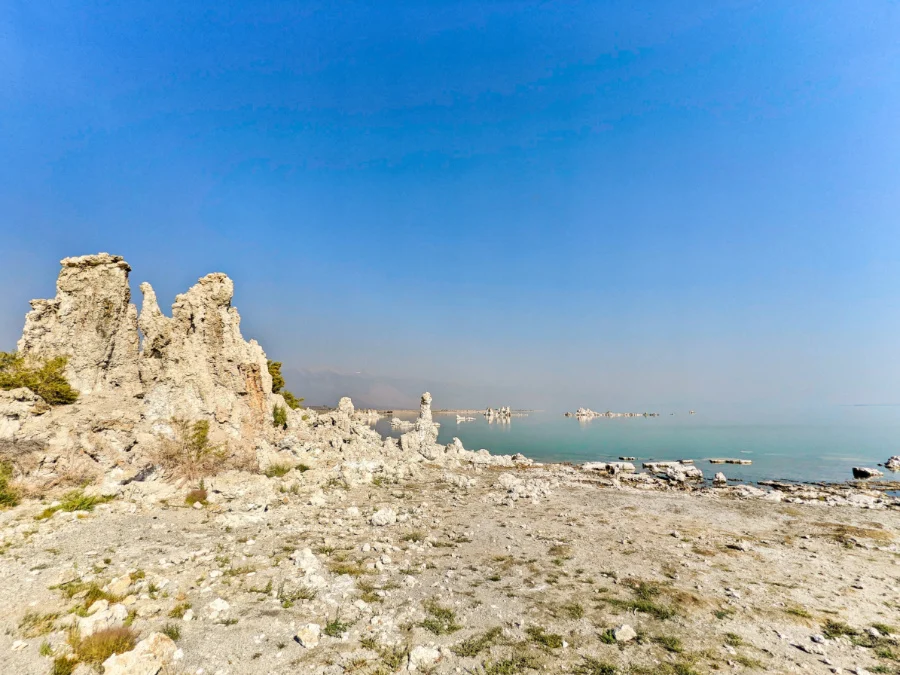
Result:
[444,411]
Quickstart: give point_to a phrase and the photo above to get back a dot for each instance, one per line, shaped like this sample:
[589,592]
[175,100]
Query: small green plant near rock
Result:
[884,628]
[302,468]
[335,628]
[414,536]
[670,643]
[46,379]
[608,637]
[63,665]
[539,636]
[74,500]
[515,665]
[277,470]
[722,614]
[278,385]
[573,610]
[833,629]
[733,640]
[440,620]
[9,495]
[478,643]
[369,592]
[591,666]
[798,612]
[353,568]
[279,417]
[301,592]
[393,658]
[644,603]
[171,631]
[177,612]
[89,593]
[196,496]
[747,661]
[35,624]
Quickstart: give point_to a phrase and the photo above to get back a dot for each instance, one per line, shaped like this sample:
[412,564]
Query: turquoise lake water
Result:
[808,445]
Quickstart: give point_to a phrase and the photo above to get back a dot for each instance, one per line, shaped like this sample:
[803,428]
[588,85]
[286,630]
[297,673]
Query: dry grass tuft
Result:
[98,647]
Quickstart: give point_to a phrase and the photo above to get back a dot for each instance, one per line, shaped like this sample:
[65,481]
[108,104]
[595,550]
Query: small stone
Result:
[624,633]
[423,657]
[383,517]
[151,656]
[308,635]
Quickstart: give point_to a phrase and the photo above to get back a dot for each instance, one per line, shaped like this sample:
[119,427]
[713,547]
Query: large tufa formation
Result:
[92,322]
[194,365]
[197,364]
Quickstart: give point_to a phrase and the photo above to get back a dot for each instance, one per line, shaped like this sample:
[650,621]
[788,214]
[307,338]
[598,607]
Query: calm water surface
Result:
[808,445]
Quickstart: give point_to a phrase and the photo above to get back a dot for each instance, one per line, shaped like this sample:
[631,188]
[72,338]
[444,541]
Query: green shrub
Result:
[9,496]
[440,620]
[279,417]
[171,631]
[75,500]
[277,470]
[336,627]
[63,665]
[46,379]
[190,452]
[195,496]
[278,386]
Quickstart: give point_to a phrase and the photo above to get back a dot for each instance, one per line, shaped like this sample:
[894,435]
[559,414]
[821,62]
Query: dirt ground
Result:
[465,581]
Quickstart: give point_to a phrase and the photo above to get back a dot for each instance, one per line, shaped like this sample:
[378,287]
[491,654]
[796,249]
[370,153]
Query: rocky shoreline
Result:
[303,541]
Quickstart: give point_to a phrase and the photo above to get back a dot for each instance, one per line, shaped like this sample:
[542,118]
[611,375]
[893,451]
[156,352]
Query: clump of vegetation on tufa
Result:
[279,417]
[74,500]
[46,379]
[189,452]
[9,495]
[278,386]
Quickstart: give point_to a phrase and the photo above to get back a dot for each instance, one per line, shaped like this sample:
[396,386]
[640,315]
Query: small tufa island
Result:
[168,507]
[588,414]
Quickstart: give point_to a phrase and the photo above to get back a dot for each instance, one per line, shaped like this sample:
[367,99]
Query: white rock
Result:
[383,517]
[624,633]
[149,657]
[308,635]
[423,657]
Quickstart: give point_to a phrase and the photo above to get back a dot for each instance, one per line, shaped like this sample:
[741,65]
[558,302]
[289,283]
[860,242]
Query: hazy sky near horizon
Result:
[540,204]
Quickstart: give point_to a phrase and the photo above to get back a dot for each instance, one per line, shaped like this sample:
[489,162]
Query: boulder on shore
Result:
[866,472]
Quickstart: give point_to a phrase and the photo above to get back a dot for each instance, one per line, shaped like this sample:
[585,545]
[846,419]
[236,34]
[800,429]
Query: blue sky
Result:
[552,204]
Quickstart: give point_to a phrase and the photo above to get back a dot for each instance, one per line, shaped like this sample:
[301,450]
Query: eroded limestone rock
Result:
[423,438]
[92,322]
[198,365]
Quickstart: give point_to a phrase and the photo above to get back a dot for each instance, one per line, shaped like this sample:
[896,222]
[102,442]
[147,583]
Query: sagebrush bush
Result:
[278,386]
[46,379]
[189,452]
